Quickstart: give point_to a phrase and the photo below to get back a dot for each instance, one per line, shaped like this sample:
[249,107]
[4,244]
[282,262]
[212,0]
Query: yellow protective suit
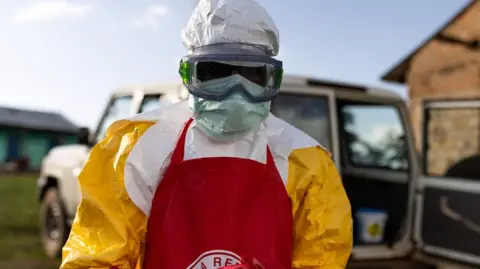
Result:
[121,175]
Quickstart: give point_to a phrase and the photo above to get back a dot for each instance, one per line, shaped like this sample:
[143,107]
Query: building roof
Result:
[398,72]
[37,120]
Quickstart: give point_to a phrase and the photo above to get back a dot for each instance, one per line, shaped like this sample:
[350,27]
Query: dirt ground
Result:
[20,246]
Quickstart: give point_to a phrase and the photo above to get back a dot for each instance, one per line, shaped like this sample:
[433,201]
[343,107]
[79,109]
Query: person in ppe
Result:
[216,181]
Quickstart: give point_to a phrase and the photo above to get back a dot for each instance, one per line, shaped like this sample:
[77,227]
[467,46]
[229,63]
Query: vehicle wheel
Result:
[53,224]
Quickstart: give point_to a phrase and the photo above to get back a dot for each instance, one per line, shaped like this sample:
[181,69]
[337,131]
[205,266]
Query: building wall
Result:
[435,76]
[454,135]
[33,144]
[442,71]
[3,146]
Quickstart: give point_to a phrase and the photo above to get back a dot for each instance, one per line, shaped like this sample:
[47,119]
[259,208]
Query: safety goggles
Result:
[199,71]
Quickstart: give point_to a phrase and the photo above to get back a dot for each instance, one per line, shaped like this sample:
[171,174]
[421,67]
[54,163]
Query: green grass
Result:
[20,246]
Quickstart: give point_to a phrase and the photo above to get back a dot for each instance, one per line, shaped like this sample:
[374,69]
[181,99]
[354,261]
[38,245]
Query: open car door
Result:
[447,222]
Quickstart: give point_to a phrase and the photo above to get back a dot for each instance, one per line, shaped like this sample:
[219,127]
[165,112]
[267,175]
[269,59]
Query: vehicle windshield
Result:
[154,101]
[119,108]
[374,136]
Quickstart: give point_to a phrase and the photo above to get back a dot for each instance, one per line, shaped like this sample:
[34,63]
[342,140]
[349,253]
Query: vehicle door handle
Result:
[451,214]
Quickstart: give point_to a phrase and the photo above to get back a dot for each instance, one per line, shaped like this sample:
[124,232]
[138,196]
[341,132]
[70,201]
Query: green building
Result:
[31,134]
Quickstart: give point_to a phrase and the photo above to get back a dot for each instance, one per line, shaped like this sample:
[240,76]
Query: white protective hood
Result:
[231,21]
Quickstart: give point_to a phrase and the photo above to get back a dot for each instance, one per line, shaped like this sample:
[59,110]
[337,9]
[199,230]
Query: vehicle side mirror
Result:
[84,136]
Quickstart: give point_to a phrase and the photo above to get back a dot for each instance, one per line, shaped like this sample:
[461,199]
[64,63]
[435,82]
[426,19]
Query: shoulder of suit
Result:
[285,137]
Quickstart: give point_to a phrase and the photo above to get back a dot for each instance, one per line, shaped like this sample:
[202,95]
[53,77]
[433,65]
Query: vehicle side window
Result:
[374,136]
[307,113]
[119,108]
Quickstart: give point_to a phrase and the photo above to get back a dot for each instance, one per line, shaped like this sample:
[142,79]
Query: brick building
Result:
[443,77]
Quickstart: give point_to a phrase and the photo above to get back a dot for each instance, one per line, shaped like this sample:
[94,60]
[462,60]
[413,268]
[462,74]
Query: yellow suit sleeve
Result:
[321,210]
[109,229]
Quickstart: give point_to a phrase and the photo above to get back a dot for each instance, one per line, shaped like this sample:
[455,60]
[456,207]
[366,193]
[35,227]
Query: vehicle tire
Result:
[54,229]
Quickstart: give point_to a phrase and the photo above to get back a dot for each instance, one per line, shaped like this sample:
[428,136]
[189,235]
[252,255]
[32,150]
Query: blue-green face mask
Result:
[230,119]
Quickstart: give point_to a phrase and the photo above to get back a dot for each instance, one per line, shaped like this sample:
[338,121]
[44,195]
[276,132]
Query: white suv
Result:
[367,131]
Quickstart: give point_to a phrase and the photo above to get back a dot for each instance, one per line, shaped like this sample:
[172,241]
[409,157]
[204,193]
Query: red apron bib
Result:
[218,212]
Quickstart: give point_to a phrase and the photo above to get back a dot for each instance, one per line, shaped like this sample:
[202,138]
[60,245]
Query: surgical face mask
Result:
[230,119]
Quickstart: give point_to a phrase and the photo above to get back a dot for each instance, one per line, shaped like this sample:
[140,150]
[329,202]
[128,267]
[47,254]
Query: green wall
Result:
[70,139]
[34,144]
[3,146]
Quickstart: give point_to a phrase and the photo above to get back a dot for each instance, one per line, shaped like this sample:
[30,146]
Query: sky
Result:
[68,56]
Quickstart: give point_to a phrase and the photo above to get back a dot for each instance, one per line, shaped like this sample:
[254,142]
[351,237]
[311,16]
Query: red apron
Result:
[218,212]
